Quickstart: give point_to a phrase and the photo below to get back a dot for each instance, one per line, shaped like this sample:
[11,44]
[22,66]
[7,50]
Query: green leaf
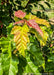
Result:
[49,66]
[37,55]
[42,6]
[7,45]
[9,28]
[13,69]
[22,64]
[47,3]
[9,49]
[9,65]
[24,3]
[4,43]
[31,68]
[1,71]
[16,19]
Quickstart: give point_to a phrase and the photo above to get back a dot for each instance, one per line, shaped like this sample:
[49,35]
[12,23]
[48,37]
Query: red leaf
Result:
[20,14]
[34,25]
[19,22]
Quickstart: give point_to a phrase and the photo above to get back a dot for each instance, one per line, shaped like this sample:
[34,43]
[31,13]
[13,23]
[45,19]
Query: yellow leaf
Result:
[38,20]
[21,38]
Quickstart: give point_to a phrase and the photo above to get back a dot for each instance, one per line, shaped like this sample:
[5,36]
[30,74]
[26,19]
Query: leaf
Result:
[38,20]
[42,6]
[4,43]
[24,3]
[9,65]
[43,39]
[34,25]
[21,67]
[47,3]
[49,67]
[31,68]
[19,22]
[42,22]
[9,28]
[16,19]
[20,14]
[21,38]
[9,49]
[13,67]
[1,70]
[37,55]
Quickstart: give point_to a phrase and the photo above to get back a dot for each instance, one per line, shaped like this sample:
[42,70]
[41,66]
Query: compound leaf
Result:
[21,38]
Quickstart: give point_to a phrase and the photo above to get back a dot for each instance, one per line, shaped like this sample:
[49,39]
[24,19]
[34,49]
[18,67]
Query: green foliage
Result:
[1,71]
[9,65]
[30,67]
[35,54]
